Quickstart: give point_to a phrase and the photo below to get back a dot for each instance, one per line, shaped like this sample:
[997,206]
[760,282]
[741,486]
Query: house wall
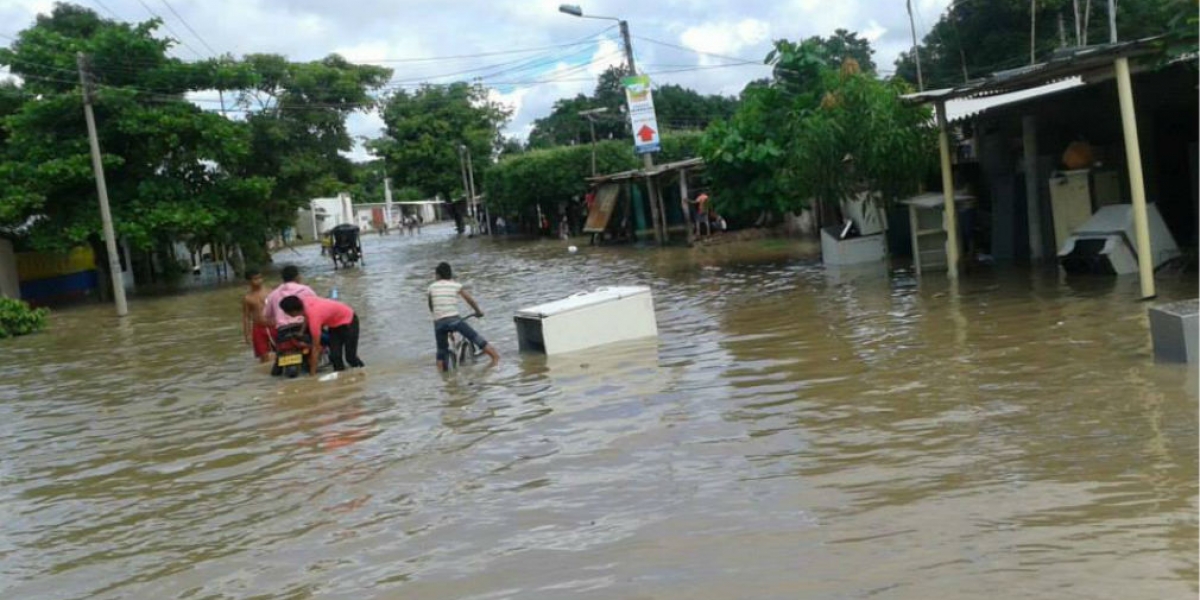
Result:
[49,278]
[10,283]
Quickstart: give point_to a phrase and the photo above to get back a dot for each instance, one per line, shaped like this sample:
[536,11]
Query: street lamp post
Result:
[590,116]
[575,11]
[647,159]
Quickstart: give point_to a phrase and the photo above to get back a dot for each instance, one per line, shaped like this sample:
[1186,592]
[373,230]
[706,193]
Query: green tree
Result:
[563,126]
[297,120]
[676,108]
[547,176]
[166,160]
[843,45]
[975,39]
[424,129]
[816,134]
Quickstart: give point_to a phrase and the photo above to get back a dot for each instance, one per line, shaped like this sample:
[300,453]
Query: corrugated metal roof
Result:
[1073,63]
[963,108]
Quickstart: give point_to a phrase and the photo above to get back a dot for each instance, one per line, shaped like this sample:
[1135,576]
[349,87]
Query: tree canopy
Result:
[424,129]
[976,39]
[175,171]
[815,133]
[676,107]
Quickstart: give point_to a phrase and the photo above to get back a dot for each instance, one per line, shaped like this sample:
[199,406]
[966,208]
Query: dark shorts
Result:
[441,332]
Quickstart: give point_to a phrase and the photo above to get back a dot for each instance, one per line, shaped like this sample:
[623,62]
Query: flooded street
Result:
[793,432]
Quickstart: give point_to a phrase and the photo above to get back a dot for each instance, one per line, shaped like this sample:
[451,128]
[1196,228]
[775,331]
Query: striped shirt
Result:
[443,295]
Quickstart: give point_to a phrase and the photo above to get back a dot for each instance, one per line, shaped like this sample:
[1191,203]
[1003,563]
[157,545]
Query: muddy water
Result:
[792,433]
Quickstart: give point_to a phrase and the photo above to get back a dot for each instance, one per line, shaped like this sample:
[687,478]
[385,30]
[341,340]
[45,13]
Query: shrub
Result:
[548,176]
[18,318]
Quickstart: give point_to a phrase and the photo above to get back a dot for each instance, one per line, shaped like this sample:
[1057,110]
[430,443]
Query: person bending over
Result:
[341,321]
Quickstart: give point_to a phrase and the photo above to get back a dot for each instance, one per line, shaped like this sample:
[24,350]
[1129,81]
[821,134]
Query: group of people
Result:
[265,311]
[410,224]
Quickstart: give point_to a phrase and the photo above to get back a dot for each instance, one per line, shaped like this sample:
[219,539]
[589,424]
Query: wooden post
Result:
[1133,157]
[683,204]
[651,197]
[662,211]
[950,221]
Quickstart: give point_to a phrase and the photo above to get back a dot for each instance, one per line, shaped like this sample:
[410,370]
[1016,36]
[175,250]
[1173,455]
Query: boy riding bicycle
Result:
[443,303]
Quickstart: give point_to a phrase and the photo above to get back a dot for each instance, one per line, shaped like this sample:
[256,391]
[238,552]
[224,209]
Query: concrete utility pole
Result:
[647,158]
[474,210]
[462,165]
[387,200]
[1112,21]
[916,50]
[656,206]
[110,237]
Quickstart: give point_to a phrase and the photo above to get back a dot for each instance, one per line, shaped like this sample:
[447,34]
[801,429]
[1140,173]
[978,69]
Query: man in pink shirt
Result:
[291,287]
[338,318]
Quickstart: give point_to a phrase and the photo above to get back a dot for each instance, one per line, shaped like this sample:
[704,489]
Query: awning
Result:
[654,171]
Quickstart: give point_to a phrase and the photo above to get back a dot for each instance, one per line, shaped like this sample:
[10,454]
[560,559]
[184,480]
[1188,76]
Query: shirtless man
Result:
[254,326]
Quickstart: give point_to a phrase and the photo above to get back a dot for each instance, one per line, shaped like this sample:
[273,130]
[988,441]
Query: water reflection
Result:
[793,431]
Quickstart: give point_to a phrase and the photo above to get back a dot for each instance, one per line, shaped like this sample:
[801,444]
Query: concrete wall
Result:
[10,283]
[331,212]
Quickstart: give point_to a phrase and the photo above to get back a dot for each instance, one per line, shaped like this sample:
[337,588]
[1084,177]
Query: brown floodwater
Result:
[793,432]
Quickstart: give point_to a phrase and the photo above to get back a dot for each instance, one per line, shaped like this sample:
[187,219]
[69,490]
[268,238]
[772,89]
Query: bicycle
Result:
[462,350]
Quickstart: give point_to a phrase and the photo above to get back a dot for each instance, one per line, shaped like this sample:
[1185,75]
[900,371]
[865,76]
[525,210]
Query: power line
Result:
[486,54]
[107,9]
[695,51]
[189,27]
[178,38]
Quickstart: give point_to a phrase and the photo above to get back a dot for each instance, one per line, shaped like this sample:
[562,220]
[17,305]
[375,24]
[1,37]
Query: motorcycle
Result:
[293,345]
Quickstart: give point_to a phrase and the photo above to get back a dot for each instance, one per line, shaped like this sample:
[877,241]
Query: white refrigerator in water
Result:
[586,320]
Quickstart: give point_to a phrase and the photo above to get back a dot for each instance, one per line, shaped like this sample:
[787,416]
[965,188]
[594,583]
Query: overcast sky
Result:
[390,32]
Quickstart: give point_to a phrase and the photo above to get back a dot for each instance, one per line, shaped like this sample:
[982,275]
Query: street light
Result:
[590,116]
[575,11]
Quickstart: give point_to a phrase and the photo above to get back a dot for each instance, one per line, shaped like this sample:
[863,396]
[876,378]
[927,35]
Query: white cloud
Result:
[725,37]
[367,30]
[874,31]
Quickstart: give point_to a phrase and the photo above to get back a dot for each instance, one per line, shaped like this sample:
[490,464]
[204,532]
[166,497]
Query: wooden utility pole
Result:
[110,238]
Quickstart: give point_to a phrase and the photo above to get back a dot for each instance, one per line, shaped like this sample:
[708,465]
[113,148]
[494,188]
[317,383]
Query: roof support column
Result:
[950,220]
[1133,157]
[683,205]
[1032,187]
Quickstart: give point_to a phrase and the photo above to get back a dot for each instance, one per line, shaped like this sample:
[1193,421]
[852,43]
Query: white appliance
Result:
[1107,243]
[1070,202]
[587,319]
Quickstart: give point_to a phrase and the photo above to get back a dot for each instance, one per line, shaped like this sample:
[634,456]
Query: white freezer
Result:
[587,319]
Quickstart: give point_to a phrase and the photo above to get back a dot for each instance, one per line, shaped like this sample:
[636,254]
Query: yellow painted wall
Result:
[44,265]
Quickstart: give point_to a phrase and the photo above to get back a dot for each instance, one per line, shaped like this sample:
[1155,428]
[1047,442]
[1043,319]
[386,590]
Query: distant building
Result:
[323,214]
